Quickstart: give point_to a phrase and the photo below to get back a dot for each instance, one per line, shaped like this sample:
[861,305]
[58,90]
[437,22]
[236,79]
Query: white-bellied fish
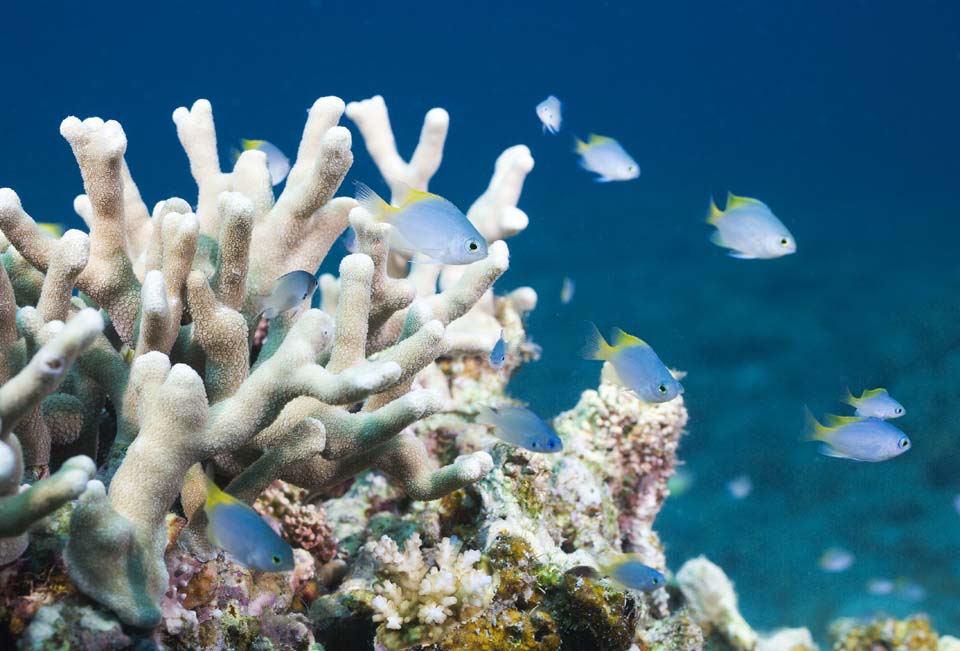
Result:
[858,439]
[349,239]
[606,157]
[835,560]
[749,229]
[426,223]
[549,113]
[289,290]
[499,353]
[636,365]
[566,290]
[521,427]
[629,571]
[240,531]
[740,487]
[277,162]
[875,403]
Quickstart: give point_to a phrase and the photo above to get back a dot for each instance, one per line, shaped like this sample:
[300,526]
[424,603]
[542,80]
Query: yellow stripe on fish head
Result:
[623,340]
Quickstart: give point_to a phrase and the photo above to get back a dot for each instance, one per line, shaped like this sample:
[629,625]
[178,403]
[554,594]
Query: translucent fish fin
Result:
[580,147]
[545,129]
[406,195]
[234,155]
[733,201]
[621,339]
[370,201]
[873,393]
[829,451]
[741,256]
[594,139]
[595,346]
[714,214]
[717,239]
[252,144]
[834,421]
[602,179]
[486,416]
[848,398]
[812,429]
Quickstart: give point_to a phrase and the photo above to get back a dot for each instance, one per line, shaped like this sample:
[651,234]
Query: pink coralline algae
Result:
[302,524]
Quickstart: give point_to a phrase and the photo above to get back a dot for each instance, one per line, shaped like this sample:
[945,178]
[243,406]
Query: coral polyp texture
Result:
[134,361]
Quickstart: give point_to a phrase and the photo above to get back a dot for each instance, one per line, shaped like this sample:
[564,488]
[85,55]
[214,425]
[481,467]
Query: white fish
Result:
[875,403]
[605,156]
[749,229]
[836,559]
[549,113]
[289,290]
[740,487]
[277,162]
[880,587]
[522,427]
[567,290]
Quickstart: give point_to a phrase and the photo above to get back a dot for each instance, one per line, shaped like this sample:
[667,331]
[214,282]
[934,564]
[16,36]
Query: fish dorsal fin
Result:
[733,201]
[406,195]
[252,144]
[594,139]
[621,339]
[873,393]
[580,146]
[715,214]
[834,421]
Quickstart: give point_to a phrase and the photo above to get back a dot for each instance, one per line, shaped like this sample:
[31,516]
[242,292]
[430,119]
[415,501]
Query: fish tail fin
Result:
[235,155]
[486,415]
[251,144]
[215,494]
[372,202]
[595,346]
[813,430]
[714,214]
[579,146]
[848,398]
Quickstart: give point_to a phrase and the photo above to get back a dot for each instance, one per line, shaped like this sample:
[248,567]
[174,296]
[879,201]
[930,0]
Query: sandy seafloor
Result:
[841,116]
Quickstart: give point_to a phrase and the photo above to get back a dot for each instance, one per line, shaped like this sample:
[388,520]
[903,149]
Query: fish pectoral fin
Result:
[741,256]
[602,179]
[828,450]
[717,239]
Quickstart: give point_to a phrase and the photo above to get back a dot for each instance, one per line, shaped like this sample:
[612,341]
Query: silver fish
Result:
[521,427]
[858,439]
[749,229]
[499,353]
[289,290]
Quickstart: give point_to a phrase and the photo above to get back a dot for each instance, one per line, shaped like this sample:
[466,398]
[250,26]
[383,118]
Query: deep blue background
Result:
[841,116]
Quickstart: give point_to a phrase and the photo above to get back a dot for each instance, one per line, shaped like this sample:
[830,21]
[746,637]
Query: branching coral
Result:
[418,602]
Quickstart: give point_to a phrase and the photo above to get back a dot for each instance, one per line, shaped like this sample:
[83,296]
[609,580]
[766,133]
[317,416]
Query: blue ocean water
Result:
[841,116]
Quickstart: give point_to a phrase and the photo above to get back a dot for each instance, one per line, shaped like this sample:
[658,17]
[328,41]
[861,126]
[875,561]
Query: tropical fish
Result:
[749,229]
[875,403]
[521,427]
[349,239]
[859,439]
[605,156]
[836,559]
[567,290]
[636,364]
[549,113]
[277,162]
[499,353]
[629,571]
[237,529]
[681,482]
[51,229]
[289,291]
[428,224]
[740,487]
[880,587]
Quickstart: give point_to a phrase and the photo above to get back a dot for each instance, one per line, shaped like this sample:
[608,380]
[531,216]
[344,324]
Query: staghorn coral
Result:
[419,600]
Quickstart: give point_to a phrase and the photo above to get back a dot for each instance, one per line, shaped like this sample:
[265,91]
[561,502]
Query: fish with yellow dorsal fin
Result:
[629,571]
[858,439]
[875,403]
[636,364]
[277,162]
[239,530]
[426,223]
[749,229]
[606,157]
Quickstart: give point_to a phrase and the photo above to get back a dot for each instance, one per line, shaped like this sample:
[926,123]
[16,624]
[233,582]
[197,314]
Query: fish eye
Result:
[275,559]
[904,443]
[656,581]
[533,444]
[662,388]
[784,241]
[898,410]
[473,245]
[630,168]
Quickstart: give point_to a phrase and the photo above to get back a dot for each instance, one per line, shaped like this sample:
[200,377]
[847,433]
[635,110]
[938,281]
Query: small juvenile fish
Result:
[52,229]
[749,229]
[836,559]
[567,290]
[499,353]
[349,239]
[237,529]
[521,427]
[629,572]
[740,487]
[875,403]
[277,162]
[549,113]
[636,364]
[880,587]
[605,156]
[681,482]
[289,291]
[859,439]
[427,224]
